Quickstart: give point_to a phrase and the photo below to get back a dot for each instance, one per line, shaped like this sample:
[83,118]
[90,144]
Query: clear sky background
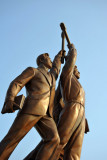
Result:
[31,27]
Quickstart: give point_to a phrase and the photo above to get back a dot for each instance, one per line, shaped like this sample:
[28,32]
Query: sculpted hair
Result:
[39,58]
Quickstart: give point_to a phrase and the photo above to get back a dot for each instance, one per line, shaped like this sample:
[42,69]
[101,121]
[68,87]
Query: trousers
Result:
[21,126]
[71,127]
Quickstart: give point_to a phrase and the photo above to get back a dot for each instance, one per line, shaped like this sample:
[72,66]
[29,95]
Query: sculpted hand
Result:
[8,107]
[62,53]
[70,46]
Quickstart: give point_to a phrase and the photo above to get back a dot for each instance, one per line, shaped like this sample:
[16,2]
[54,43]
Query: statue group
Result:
[58,115]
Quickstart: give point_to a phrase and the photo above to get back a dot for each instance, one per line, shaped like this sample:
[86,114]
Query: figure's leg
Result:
[48,131]
[33,154]
[21,125]
[74,146]
[70,118]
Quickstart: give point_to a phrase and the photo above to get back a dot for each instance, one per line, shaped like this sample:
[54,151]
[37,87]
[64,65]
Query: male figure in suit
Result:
[37,109]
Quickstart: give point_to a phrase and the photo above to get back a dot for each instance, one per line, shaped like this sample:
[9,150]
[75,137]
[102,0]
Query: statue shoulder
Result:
[29,71]
[34,69]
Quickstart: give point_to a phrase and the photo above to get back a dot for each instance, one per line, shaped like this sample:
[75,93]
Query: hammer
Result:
[62,25]
[63,46]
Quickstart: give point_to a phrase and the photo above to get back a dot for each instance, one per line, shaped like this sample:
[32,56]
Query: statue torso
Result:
[39,86]
[72,90]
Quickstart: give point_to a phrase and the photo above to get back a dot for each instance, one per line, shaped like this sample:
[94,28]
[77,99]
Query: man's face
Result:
[47,61]
[76,72]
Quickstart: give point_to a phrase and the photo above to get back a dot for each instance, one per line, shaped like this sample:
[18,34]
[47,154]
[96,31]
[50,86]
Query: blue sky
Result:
[31,27]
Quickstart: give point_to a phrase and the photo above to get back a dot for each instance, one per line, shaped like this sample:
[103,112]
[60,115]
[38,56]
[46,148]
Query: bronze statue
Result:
[69,112]
[63,142]
[40,87]
[71,123]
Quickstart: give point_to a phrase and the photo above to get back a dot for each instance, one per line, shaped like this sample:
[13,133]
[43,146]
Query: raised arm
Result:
[15,86]
[70,62]
[56,65]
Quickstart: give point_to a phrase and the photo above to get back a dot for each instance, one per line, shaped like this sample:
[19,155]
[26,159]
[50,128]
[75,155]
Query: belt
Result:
[75,101]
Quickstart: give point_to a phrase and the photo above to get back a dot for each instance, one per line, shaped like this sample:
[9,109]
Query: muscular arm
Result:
[70,63]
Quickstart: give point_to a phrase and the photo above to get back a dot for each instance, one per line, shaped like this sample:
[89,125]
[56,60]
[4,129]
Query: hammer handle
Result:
[63,40]
[62,25]
[63,47]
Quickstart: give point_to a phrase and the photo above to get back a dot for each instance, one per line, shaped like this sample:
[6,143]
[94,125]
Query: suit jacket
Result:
[39,84]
